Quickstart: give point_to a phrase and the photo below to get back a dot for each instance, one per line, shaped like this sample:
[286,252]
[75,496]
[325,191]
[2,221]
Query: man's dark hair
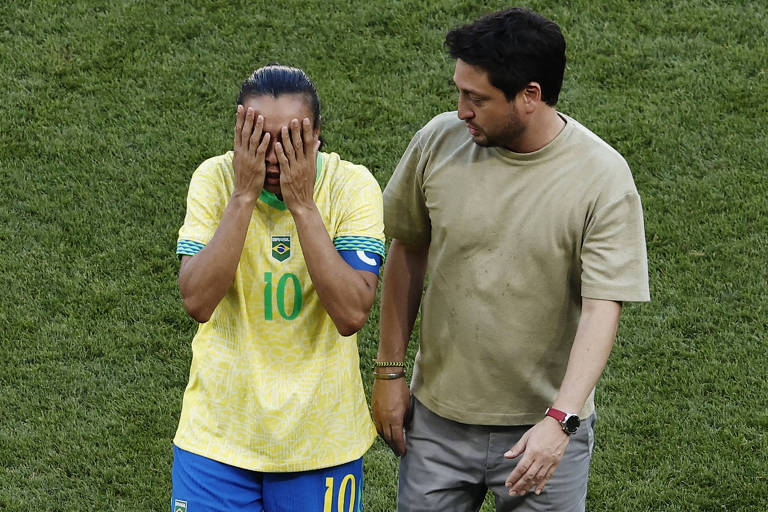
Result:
[274,80]
[514,46]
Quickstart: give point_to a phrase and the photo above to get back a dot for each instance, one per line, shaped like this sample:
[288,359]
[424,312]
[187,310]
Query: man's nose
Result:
[463,112]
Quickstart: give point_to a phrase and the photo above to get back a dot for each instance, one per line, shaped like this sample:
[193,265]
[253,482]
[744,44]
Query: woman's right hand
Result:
[250,150]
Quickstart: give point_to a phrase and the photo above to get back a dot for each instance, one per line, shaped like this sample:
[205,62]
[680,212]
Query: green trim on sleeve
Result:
[359,243]
[188,247]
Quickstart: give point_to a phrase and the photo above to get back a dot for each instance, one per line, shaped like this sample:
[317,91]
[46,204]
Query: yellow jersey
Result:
[273,386]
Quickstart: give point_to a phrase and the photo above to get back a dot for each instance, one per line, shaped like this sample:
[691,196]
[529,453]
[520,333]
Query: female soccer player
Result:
[280,254]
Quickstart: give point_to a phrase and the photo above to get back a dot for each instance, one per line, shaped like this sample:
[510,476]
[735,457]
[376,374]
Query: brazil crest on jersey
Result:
[272,385]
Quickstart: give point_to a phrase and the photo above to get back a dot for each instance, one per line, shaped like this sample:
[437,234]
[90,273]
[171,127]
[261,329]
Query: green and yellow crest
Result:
[281,247]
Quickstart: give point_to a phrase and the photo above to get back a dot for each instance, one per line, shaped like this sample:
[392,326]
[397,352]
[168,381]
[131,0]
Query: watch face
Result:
[572,424]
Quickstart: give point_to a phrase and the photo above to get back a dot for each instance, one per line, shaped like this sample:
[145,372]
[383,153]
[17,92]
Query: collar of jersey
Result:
[272,200]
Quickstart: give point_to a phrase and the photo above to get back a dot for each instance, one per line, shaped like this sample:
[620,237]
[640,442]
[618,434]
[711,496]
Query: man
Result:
[530,230]
[280,252]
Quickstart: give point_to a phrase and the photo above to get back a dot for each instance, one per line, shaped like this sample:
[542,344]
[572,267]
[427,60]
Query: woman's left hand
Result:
[297,157]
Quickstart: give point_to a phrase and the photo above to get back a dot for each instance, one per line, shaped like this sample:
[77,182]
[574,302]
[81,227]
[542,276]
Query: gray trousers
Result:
[450,466]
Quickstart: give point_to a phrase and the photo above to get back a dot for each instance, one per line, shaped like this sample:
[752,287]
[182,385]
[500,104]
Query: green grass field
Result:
[108,107]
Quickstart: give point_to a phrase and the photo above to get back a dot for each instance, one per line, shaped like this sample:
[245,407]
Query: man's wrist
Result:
[389,369]
[569,422]
[389,363]
[383,375]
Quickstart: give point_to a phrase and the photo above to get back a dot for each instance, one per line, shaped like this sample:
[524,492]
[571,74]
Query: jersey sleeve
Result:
[206,201]
[362,224]
[613,256]
[406,217]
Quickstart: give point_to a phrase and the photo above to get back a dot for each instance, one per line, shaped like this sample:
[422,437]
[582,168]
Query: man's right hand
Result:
[390,401]
[250,150]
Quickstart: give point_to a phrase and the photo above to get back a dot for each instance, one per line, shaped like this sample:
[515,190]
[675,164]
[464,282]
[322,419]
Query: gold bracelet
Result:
[377,364]
[388,376]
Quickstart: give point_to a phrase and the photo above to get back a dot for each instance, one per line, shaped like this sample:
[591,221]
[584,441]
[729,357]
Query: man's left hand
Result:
[297,157]
[542,448]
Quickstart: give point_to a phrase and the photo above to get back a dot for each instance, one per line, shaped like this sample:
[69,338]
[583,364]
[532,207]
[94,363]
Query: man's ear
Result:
[531,96]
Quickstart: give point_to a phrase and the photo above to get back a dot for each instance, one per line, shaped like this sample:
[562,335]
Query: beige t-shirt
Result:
[515,241]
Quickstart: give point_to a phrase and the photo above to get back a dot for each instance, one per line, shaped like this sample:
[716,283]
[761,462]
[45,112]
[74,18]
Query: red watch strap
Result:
[556,413]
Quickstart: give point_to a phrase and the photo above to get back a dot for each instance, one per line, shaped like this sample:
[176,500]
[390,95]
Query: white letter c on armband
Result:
[365,259]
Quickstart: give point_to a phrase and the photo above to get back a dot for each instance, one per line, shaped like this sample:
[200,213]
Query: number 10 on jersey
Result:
[279,295]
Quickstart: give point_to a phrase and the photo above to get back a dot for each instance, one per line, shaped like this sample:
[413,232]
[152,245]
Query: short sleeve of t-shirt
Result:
[206,203]
[405,213]
[613,255]
[361,227]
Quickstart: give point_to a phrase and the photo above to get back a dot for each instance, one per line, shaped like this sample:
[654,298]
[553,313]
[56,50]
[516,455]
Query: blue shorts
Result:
[205,485]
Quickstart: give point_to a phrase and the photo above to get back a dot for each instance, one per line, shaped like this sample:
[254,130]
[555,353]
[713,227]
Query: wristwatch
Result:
[569,422]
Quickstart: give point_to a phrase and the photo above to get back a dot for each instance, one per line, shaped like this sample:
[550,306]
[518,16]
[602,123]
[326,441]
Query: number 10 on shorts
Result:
[347,491]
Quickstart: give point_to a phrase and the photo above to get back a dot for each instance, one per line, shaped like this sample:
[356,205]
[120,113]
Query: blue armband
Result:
[362,260]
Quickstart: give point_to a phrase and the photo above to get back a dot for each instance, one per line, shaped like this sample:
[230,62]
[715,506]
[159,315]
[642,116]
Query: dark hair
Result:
[514,46]
[275,80]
